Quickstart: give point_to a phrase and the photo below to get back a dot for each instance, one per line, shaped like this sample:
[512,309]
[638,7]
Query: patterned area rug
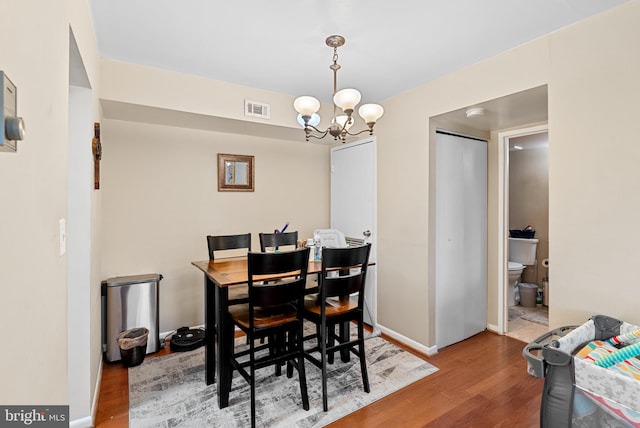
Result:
[539,314]
[170,391]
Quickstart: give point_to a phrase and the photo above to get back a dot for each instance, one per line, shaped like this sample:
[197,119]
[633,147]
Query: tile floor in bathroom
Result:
[527,324]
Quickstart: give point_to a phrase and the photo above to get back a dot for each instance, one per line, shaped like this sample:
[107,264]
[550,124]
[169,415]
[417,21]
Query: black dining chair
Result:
[340,300]
[274,310]
[277,240]
[287,239]
[229,245]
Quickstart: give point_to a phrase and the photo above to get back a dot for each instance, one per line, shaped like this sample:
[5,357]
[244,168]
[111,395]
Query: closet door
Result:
[461,238]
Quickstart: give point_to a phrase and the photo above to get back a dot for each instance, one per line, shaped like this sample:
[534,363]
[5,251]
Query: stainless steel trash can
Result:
[130,302]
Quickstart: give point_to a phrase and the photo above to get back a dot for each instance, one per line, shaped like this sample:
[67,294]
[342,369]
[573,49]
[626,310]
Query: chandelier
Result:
[345,99]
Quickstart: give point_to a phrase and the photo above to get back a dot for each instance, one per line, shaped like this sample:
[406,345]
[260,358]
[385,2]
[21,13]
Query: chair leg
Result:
[363,361]
[291,343]
[301,370]
[277,339]
[330,339]
[323,360]
[343,329]
[253,390]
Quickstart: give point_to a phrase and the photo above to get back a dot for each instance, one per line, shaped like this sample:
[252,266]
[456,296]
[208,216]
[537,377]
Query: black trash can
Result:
[133,346]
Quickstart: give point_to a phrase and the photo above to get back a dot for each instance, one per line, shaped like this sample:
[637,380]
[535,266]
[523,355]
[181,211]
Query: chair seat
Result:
[264,317]
[332,307]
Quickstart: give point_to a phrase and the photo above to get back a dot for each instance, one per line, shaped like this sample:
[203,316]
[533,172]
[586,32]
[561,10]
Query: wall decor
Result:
[96,149]
[235,173]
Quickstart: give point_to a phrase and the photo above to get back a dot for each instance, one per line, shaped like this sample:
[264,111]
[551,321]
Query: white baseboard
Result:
[428,350]
[89,421]
[86,422]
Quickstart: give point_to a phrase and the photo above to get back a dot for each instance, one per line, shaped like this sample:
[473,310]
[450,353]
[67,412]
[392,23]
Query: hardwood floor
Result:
[482,382]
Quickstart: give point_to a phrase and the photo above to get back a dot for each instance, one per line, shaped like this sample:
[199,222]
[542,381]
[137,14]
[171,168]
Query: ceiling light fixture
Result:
[346,99]
[475,112]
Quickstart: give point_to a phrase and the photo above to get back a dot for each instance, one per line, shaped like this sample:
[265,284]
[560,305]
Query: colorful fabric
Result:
[620,412]
[606,355]
[628,338]
[595,350]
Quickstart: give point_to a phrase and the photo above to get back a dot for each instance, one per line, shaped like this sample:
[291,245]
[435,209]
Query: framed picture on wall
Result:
[235,173]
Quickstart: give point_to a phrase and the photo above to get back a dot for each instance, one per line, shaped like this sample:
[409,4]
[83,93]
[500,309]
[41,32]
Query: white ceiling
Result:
[391,47]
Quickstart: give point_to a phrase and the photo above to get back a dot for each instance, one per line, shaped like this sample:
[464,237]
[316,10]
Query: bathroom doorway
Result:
[527,207]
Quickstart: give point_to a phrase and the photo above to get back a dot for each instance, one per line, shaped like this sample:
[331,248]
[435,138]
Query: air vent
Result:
[354,242]
[256,109]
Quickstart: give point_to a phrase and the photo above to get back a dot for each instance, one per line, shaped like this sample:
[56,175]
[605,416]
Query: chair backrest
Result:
[228,242]
[344,272]
[289,266]
[273,240]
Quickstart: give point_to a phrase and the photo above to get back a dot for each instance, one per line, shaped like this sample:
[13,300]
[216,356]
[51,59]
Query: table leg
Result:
[224,345]
[209,330]
[345,334]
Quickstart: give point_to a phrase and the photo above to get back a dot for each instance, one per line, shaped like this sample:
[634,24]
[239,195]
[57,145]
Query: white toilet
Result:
[522,253]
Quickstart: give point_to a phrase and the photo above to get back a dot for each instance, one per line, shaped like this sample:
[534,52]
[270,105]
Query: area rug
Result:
[170,391]
[538,315]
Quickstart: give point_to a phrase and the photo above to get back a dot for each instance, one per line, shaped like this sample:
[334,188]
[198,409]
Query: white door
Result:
[353,203]
[461,238]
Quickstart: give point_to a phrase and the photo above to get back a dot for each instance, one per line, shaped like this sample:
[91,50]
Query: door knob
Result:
[367,233]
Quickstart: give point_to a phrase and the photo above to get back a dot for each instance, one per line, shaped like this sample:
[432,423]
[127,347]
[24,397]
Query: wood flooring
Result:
[482,382]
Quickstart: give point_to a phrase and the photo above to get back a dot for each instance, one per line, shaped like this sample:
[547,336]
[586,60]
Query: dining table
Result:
[219,274]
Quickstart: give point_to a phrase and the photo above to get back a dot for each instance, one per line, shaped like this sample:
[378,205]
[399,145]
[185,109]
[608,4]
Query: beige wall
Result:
[529,203]
[593,168]
[34,47]
[592,76]
[405,205]
[160,200]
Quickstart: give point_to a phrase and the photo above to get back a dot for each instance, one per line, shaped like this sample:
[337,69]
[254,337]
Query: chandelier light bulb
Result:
[306,105]
[370,112]
[347,99]
[342,119]
[314,121]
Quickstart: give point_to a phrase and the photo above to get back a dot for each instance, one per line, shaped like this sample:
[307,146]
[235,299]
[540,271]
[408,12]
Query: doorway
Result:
[354,206]
[526,205]
[81,379]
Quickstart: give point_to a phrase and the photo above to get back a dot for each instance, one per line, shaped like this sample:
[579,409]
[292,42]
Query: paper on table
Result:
[331,238]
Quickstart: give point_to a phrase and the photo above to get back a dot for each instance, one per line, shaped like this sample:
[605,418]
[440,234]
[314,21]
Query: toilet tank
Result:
[523,250]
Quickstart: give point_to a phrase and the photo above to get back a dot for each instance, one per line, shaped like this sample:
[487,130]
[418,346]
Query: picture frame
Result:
[235,173]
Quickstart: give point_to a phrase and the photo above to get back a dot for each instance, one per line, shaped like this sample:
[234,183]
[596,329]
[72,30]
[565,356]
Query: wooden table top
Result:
[233,270]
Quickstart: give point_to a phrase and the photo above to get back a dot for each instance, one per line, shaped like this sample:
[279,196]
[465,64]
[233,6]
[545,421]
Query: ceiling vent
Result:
[256,109]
